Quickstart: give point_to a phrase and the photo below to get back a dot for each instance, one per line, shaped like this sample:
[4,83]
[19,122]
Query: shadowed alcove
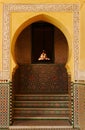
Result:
[42,39]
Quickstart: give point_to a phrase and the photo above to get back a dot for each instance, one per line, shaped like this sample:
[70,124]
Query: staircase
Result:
[42,109]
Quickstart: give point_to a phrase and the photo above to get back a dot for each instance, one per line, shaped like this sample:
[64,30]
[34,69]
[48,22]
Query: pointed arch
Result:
[46,18]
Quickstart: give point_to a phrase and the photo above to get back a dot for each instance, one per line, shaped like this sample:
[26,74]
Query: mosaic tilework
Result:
[76,105]
[72,105]
[4,105]
[35,79]
[81,87]
[11,104]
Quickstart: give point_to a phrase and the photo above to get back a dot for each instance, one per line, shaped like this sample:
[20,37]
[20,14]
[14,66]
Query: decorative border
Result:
[9,8]
[76,105]
[4,105]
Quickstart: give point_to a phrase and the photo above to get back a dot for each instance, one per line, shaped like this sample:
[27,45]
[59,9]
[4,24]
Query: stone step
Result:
[42,117]
[56,124]
[37,109]
[41,111]
[41,107]
[44,97]
[41,104]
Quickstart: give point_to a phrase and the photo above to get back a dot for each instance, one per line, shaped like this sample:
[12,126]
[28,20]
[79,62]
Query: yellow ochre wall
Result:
[63,20]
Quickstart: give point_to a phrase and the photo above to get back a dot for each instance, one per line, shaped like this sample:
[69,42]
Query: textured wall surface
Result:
[41,78]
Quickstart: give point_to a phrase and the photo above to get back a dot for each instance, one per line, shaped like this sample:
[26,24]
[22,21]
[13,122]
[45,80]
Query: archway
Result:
[44,81]
[28,48]
[51,20]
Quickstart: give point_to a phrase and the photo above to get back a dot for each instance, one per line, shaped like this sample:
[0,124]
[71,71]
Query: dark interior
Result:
[42,39]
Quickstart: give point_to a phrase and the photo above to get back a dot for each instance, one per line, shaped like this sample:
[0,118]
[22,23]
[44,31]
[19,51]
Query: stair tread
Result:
[41,101]
[47,124]
[41,109]
[42,95]
[41,106]
[42,117]
[42,98]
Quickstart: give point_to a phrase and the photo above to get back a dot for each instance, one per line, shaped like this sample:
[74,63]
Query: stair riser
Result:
[41,98]
[41,118]
[42,112]
[41,105]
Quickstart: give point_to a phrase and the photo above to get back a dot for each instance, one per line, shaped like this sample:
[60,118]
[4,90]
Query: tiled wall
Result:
[82,105]
[4,105]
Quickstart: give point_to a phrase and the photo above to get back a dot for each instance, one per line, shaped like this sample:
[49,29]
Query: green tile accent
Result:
[4,105]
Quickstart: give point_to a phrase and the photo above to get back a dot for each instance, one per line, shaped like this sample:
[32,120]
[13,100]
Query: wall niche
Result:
[37,37]
[42,42]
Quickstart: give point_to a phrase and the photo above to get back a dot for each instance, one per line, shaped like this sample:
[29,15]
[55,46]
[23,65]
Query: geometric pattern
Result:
[4,105]
[81,100]
[76,105]
[41,79]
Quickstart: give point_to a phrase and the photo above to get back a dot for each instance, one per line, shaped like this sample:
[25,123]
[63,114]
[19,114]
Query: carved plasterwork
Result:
[9,8]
